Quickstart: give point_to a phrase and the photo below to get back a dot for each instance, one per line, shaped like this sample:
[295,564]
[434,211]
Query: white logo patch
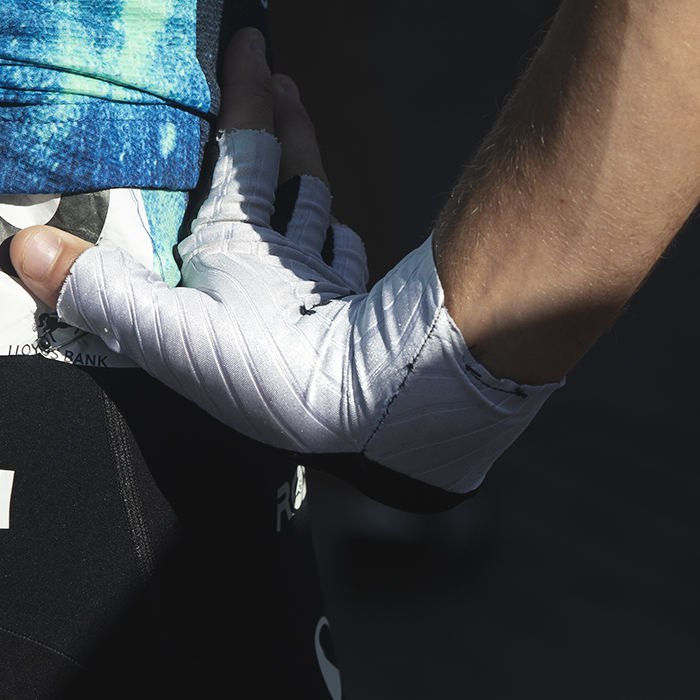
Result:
[291,498]
[6,479]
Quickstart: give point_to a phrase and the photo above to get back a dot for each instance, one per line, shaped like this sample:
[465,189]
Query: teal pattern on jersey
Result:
[165,212]
[99,94]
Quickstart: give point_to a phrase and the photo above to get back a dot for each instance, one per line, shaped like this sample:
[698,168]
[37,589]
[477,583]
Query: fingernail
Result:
[257,43]
[40,251]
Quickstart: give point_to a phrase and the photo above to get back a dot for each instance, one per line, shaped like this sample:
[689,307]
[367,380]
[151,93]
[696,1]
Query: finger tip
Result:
[285,86]
[246,40]
[37,252]
[248,32]
[245,35]
[42,257]
[247,96]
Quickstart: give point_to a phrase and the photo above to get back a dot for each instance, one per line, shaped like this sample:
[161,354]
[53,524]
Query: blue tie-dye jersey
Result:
[99,94]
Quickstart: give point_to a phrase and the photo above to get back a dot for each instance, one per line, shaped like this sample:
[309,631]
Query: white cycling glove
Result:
[289,350]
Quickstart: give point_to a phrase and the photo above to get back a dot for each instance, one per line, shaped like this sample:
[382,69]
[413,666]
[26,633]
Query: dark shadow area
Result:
[153,553]
[572,574]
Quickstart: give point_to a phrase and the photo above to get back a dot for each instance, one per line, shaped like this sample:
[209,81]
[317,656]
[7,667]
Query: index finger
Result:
[246,84]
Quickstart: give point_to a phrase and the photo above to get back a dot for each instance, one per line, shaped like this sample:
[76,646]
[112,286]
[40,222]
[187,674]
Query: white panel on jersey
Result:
[28,327]
[6,479]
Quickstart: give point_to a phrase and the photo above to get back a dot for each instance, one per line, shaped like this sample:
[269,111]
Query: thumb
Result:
[42,257]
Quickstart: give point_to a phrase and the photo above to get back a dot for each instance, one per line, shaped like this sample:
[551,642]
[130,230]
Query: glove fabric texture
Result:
[291,351]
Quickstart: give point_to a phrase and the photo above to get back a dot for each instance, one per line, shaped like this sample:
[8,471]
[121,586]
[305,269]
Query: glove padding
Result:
[289,350]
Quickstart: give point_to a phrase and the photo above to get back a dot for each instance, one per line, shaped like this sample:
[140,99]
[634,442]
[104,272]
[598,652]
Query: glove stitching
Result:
[409,370]
[518,391]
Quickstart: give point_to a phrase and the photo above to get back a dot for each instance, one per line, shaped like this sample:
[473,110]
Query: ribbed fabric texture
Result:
[270,340]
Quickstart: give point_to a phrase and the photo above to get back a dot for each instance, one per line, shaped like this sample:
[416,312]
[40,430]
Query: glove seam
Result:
[409,370]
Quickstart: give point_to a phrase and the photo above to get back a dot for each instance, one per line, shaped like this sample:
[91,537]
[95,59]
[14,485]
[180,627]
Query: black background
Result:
[574,572]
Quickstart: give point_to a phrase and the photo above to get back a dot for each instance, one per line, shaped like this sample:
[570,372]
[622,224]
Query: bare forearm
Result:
[590,171]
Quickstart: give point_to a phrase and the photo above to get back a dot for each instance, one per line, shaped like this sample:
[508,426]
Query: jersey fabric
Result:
[146,550]
[106,94]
